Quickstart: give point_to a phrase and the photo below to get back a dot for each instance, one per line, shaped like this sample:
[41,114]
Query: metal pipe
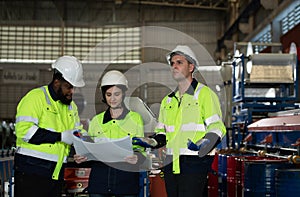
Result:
[271,44]
[291,158]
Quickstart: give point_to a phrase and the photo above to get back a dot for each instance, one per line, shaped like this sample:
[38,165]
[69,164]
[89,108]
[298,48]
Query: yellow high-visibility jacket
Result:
[189,117]
[129,123]
[117,178]
[37,110]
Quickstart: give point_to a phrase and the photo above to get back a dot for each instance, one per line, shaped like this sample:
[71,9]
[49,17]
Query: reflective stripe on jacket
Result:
[189,117]
[131,124]
[36,110]
[119,178]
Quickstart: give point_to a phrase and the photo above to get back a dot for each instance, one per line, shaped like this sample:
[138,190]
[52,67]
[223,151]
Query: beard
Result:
[63,98]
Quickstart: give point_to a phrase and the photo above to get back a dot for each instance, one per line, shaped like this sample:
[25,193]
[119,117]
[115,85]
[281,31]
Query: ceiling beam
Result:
[181,4]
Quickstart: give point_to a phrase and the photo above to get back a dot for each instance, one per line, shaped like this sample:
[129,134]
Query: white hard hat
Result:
[185,51]
[114,77]
[71,70]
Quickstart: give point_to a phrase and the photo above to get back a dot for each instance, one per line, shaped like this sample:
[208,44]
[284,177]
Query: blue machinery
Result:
[261,83]
[265,141]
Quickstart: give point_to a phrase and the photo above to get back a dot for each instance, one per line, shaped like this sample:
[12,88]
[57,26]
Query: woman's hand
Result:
[79,159]
[132,159]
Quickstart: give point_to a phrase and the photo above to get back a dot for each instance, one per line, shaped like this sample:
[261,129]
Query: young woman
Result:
[119,179]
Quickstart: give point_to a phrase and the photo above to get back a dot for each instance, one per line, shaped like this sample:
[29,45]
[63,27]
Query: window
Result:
[44,44]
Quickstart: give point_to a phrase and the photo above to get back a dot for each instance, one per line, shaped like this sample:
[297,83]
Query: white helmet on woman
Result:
[114,77]
[71,70]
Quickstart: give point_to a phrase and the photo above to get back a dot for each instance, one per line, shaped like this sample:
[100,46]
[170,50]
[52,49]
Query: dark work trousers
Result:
[36,186]
[192,180]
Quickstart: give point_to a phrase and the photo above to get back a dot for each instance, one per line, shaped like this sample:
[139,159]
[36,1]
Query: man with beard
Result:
[45,121]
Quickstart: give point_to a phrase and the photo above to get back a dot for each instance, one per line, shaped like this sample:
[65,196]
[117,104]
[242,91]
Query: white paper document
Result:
[104,149]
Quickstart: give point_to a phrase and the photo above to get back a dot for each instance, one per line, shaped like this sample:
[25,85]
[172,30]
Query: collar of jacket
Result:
[107,116]
[52,93]
[190,90]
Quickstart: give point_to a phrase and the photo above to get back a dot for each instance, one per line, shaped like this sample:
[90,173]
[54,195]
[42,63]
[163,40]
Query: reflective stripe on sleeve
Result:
[160,125]
[182,151]
[186,151]
[170,128]
[165,127]
[31,131]
[27,119]
[216,131]
[212,119]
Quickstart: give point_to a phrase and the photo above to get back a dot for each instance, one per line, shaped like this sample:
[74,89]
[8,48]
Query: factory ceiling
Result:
[200,4]
[12,10]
